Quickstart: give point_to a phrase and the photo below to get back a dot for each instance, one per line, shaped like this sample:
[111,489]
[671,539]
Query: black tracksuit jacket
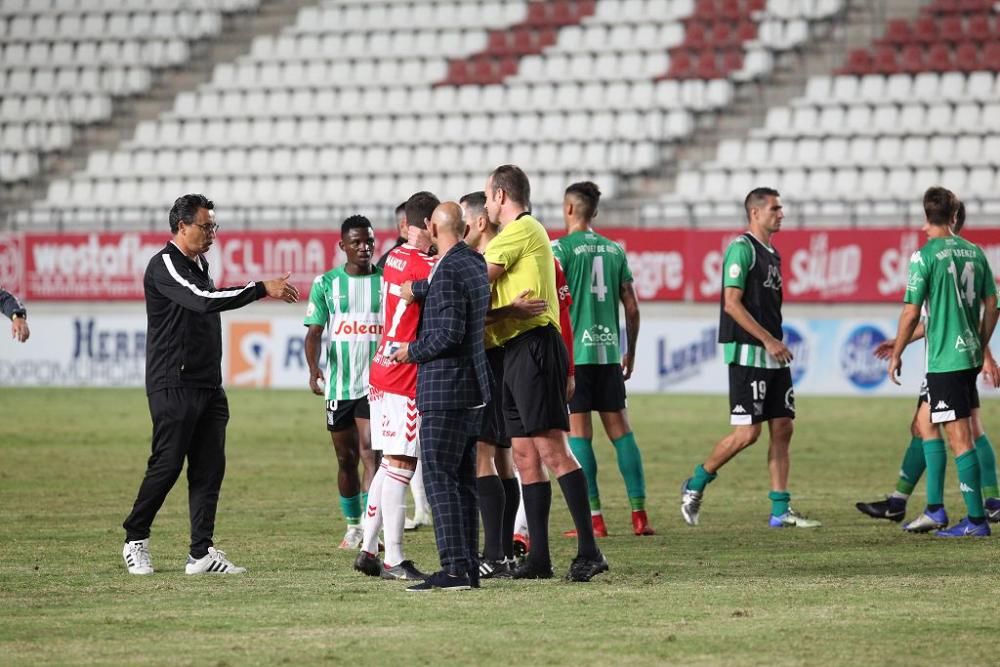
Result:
[183,326]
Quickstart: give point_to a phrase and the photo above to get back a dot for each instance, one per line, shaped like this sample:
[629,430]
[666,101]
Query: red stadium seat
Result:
[950,29]
[721,34]
[884,60]
[732,61]
[939,58]
[979,29]
[681,66]
[546,37]
[925,30]
[694,35]
[967,58]
[705,10]
[967,6]
[497,42]
[747,31]
[458,73]
[897,32]
[859,62]
[911,60]
[991,57]
[944,7]
[756,5]
[708,67]
[730,10]
[538,14]
[523,41]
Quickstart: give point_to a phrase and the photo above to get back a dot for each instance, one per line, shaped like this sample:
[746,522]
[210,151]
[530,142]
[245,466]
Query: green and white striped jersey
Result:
[349,307]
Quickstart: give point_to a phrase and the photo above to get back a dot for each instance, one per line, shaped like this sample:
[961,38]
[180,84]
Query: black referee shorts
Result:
[493,430]
[534,383]
[599,387]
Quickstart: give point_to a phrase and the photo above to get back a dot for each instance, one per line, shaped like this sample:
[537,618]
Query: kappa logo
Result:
[965,488]
[773,278]
[739,410]
[941,405]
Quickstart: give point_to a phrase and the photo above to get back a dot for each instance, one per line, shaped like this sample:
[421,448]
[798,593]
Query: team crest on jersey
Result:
[735,271]
[310,309]
[773,278]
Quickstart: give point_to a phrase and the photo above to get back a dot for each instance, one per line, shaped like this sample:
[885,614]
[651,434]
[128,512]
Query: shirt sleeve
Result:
[626,276]
[736,264]
[507,247]
[10,305]
[916,281]
[177,284]
[317,312]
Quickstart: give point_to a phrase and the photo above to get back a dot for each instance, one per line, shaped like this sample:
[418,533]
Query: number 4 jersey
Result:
[595,269]
[401,320]
[953,277]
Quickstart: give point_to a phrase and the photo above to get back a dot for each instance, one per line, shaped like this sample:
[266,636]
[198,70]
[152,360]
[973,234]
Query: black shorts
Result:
[340,415]
[922,398]
[599,387]
[952,396]
[534,382]
[493,430]
[759,394]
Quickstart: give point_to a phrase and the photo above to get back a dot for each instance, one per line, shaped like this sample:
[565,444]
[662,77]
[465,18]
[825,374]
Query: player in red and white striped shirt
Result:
[395,422]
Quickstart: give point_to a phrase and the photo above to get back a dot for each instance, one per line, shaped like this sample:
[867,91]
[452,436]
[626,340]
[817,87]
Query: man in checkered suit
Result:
[453,385]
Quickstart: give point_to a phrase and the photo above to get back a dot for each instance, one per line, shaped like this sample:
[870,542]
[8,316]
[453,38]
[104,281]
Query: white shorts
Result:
[395,423]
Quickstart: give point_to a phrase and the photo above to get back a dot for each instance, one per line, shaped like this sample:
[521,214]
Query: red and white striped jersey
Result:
[400,319]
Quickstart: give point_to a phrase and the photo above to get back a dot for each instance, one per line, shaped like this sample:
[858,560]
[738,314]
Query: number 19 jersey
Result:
[953,276]
[400,319]
[596,268]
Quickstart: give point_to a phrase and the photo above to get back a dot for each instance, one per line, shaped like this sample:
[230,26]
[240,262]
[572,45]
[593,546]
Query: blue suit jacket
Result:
[453,372]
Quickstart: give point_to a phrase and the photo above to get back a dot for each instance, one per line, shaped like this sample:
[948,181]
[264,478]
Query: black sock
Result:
[977,520]
[512,500]
[574,488]
[491,504]
[934,508]
[537,503]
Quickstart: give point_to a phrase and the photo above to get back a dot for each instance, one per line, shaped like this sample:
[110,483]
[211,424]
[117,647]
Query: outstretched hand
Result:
[280,288]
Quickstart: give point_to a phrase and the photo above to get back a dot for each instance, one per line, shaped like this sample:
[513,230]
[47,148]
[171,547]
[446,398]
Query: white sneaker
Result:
[352,539]
[419,519]
[690,504]
[137,558]
[215,562]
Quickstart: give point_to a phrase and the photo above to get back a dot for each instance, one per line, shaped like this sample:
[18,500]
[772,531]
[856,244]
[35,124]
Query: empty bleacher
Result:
[919,107]
[361,103]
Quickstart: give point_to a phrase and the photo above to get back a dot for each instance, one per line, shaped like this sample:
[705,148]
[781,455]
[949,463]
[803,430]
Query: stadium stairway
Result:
[861,23]
[237,32]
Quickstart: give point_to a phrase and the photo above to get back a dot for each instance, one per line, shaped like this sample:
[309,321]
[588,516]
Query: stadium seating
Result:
[360,103]
[920,107]
[63,62]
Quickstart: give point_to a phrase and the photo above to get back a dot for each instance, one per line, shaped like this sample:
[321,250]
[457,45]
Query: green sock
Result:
[987,467]
[583,450]
[937,460]
[912,467]
[779,502]
[968,482]
[701,478]
[351,507]
[630,466]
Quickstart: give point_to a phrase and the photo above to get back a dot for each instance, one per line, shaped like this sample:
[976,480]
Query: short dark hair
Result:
[354,222]
[587,195]
[512,180]
[419,207]
[940,205]
[959,217]
[756,198]
[475,202]
[185,208]
[401,209]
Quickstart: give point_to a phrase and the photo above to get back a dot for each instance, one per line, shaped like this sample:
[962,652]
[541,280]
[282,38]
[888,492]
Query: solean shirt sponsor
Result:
[184,329]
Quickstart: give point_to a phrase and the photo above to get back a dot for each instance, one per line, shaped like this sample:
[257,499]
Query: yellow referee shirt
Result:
[524,250]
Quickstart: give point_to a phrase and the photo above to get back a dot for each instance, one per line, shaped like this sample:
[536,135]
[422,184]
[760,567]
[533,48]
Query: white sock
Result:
[394,512]
[521,520]
[421,510]
[897,494]
[371,516]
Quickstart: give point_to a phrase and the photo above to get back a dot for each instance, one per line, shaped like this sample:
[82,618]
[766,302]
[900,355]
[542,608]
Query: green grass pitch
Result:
[730,592]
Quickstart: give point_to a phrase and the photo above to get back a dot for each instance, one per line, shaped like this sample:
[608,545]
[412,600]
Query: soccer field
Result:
[731,591]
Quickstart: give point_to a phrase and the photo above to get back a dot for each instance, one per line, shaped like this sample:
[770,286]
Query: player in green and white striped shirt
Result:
[346,302]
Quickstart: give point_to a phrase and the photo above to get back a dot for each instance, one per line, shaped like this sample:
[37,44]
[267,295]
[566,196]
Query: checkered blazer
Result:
[453,372]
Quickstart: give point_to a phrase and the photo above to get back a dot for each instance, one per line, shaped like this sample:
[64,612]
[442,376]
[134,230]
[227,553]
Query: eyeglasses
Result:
[210,228]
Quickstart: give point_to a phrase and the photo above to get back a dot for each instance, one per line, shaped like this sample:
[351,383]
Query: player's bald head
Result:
[448,219]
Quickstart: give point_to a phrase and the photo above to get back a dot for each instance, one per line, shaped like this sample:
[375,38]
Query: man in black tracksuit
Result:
[184,384]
